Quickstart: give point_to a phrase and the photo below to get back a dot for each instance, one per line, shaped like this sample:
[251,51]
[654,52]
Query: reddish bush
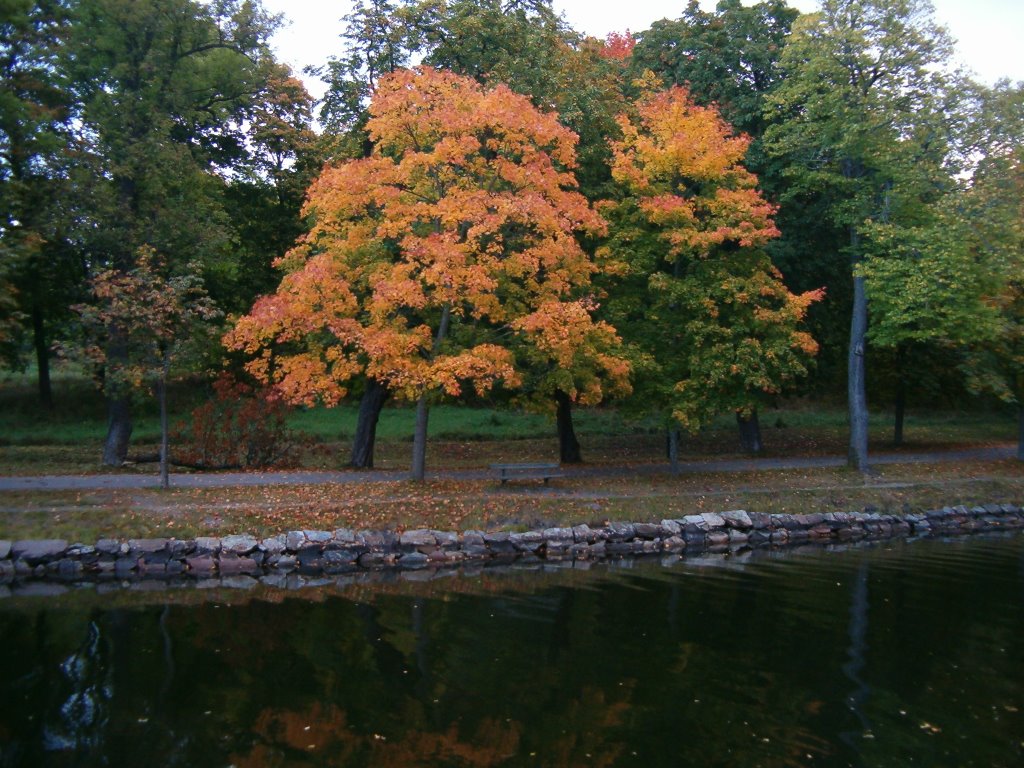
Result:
[239,427]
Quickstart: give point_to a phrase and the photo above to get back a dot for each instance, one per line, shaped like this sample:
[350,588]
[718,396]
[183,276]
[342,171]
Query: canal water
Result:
[894,654]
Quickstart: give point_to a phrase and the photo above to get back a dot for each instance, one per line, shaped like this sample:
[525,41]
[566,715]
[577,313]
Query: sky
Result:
[989,33]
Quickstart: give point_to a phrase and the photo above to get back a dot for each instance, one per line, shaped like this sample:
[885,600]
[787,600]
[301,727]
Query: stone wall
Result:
[344,551]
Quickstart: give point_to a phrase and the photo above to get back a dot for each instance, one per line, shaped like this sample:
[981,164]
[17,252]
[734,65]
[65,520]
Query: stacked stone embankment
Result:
[344,550]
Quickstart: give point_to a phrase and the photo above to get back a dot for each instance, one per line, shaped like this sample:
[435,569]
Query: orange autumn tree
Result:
[701,300]
[430,260]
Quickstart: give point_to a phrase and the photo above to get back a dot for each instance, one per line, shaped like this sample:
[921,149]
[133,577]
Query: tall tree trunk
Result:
[1020,431]
[750,432]
[42,357]
[568,445]
[419,441]
[165,480]
[119,407]
[370,406]
[856,373]
[672,441]
[900,408]
[119,431]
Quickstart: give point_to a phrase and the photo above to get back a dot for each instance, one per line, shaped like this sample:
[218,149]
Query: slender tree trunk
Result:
[165,480]
[568,445]
[750,432]
[119,408]
[119,431]
[900,411]
[672,440]
[370,406]
[856,374]
[1020,431]
[42,357]
[419,441]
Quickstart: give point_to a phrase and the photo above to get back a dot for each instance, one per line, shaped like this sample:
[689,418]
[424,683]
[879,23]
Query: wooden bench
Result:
[528,471]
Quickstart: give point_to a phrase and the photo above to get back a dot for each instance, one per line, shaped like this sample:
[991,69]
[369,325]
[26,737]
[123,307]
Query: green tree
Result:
[37,271]
[728,57]
[993,220]
[700,300]
[522,45]
[459,230]
[860,121]
[264,196]
[161,90]
[154,316]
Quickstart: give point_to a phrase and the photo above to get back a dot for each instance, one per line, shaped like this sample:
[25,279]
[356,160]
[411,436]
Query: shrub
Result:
[239,427]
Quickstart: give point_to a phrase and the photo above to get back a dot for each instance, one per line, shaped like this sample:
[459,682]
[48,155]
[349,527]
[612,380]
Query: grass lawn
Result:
[454,505]
[68,440]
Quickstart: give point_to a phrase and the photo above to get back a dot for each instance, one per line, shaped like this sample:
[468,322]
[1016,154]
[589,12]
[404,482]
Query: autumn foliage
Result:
[239,427]
[429,259]
[706,307]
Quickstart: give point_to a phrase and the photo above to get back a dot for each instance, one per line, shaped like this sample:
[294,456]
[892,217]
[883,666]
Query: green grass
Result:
[69,438]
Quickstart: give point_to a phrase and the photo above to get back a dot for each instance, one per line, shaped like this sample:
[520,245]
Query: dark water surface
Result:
[900,654]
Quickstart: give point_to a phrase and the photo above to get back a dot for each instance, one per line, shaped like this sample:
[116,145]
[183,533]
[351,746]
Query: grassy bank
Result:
[68,440]
[454,505]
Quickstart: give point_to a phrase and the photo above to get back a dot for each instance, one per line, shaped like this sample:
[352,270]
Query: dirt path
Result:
[240,479]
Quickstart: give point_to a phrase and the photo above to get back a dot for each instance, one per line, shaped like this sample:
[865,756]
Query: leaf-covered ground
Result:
[463,504]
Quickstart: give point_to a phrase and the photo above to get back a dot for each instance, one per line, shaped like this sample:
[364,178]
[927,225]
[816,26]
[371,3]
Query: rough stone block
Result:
[241,544]
[36,551]
[648,531]
[177,548]
[5,549]
[737,518]
[415,539]
[140,547]
[108,546]
[672,527]
[446,539]
[619,532]
[207,545]
[713,520]
[558,534]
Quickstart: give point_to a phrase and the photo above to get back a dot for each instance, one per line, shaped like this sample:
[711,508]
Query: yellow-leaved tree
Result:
[700,298]
[430,263]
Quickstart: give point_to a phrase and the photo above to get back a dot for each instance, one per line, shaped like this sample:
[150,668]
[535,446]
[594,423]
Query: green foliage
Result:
[728,57]
[712,323]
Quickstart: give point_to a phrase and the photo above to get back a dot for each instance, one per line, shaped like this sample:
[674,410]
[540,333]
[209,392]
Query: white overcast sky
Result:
[989,33]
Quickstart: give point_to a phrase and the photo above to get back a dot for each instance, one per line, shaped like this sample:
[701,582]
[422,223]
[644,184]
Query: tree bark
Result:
[419,442]
[42,357]
[119,408]
[900,405]
[370,406]
[568,445]
[672,440]
[1020,432]
[750,432]
[119,431]
[165,480]
[856,378]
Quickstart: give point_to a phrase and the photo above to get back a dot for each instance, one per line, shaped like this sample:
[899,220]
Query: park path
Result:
[240,479]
